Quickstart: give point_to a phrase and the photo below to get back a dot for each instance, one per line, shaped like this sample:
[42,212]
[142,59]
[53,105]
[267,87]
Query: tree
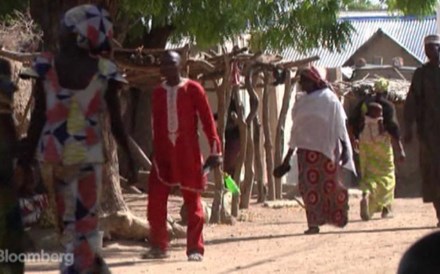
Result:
[278,23]
[364,5]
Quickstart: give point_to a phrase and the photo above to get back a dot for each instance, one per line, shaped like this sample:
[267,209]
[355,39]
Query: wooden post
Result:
[240,121]
[222,91]
[279,138]
[258,160]
[268,137]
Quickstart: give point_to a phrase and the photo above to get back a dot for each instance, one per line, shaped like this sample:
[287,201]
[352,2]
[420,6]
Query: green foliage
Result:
[415,7]
[363,5]
[274,24]
[301,25]
[8,7]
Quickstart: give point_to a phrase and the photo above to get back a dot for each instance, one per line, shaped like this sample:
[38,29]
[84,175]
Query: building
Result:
[377,38]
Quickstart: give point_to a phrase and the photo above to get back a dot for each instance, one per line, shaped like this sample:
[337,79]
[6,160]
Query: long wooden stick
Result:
[18,56]
[139,154]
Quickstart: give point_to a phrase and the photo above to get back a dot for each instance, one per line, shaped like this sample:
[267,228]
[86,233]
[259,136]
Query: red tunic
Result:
[177,158]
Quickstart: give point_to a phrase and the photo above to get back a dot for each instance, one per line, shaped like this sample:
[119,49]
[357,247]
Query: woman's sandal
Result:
[312,230]
[387,213]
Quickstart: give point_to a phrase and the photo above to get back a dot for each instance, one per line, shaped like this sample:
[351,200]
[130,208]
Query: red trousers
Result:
[158,194]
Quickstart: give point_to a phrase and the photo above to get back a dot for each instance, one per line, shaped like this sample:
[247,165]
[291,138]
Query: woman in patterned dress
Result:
[74,87]
[321,141]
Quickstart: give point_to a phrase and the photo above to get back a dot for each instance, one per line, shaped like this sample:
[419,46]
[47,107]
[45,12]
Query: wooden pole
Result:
[279,138]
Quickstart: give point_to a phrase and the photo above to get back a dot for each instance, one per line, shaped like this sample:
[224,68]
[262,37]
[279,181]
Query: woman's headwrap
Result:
[381,85]
[92,25]
[313,74]
[432,39]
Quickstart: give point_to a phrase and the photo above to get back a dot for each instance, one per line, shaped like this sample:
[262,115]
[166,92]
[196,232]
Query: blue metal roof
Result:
[408,31]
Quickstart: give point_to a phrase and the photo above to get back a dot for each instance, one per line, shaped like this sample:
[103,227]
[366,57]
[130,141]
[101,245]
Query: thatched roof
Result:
[142,65]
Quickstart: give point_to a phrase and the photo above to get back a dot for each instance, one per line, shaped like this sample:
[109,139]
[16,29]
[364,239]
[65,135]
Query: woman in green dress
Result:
[375,134]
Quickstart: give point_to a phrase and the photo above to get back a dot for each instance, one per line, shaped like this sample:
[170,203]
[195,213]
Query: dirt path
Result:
[273,242]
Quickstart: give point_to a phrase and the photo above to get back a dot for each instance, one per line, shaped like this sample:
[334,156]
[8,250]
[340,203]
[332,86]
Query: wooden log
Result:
[258,160]
[205,65]
[253,97]
[22,57]
[298,63]
[240,122]
[279,137]
[122,51]
[268,138]
[248,182]
[217,203]
[139,154]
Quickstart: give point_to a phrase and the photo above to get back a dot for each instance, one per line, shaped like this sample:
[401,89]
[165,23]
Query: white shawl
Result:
[319,122]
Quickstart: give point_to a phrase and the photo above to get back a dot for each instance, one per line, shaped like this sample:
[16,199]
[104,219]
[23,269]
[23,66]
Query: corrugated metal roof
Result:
[405,30]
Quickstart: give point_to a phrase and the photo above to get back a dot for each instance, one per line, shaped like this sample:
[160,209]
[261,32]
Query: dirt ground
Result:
[272,241]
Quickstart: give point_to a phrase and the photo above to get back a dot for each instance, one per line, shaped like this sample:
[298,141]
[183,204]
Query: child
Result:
[377,163]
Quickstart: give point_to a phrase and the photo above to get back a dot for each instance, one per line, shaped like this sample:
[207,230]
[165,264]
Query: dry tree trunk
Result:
[218,193]
[240,122]
[258,160]
[116,218]
[246,188]
[268,137]
[223,98]
[279,138]
[249,164]
[129,111]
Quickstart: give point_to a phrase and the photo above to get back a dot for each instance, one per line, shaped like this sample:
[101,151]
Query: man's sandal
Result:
[195,257]
[155,253]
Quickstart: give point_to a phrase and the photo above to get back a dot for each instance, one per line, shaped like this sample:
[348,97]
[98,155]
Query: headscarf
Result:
[313,74]
[374,105]
[92,25]
[381,85]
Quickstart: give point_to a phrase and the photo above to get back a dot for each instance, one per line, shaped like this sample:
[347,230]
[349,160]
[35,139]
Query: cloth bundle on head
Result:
[432,39]
[312,73]
[381,85]
[92,25]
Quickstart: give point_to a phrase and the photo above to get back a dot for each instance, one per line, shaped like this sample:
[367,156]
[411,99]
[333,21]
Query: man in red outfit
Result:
[177,161]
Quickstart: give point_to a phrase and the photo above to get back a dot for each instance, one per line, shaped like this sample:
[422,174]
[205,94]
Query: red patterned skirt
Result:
[325,198]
